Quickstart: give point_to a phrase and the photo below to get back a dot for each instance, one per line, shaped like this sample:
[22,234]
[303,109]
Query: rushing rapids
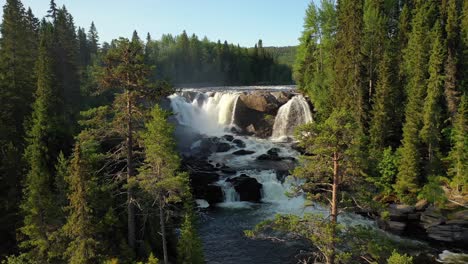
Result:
[237,143]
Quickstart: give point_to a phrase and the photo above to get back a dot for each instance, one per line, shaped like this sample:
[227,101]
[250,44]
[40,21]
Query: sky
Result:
[276,22]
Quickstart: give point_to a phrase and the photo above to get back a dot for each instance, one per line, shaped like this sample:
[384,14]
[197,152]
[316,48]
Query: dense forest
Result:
[389,83]
[188,60]
[88,163]
[82,178]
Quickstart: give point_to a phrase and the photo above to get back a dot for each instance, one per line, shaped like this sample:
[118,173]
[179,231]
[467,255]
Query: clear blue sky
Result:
[276,22]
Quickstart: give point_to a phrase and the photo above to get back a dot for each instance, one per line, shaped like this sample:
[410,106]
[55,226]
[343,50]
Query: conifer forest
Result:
[349,145]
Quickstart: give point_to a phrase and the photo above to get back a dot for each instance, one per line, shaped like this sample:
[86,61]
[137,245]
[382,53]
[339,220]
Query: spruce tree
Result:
[416,59]
[458,155]
[189,248]
[93,39]
[347,90]
[80,228]
[44,137]
[18,52]
[452,64]
[432,111]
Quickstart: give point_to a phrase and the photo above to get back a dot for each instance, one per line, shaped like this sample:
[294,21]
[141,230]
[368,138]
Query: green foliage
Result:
[338,135]
[313,68]
[388,170]
[45,140]
[396,258]
[458,155]
[189,248]
[432,190]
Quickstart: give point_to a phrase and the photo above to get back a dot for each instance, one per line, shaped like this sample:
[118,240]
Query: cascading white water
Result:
[207,113]
[292,114]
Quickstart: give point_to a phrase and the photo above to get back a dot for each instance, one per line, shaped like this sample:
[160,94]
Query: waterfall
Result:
[292,114]
[206,113]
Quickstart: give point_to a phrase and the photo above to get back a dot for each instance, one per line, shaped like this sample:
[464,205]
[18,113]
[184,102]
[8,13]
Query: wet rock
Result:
[248,188]
[228,170]
[228,137]
[239,143]
[272,154]
[202,178]
[243,152]
[223,147]
[213,194]
[281,175]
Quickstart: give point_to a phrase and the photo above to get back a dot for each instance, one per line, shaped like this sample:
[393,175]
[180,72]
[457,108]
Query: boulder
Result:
[213,194]
[239,143]
[228,170]
[248,188]
[223,147]
[251,121]
[281,175]
[228,137]
[272,154]
[243,152]
[260,101]
[282,97]
[202,178]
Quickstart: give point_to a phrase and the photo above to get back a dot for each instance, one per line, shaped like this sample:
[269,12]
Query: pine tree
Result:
[124,69]
[332,165]
[159,176]
[416,60]
[432,111]
[189,248]
[44,139]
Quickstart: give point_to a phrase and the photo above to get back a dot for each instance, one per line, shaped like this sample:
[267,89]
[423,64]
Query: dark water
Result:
[222,233]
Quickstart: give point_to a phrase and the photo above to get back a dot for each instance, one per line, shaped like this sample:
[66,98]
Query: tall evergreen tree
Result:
[66,51]
[458,156]
[160,177]
[347,90]
[80,227]
[432,111]
[416,59]
[18,52]
[452,65]
[45,140]
[93,39]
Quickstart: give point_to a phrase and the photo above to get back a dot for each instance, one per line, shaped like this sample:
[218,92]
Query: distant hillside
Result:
[284,55]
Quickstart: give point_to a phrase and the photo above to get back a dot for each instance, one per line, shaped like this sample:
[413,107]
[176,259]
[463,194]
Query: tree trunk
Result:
[334,206]
[163,230]
[130,174]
